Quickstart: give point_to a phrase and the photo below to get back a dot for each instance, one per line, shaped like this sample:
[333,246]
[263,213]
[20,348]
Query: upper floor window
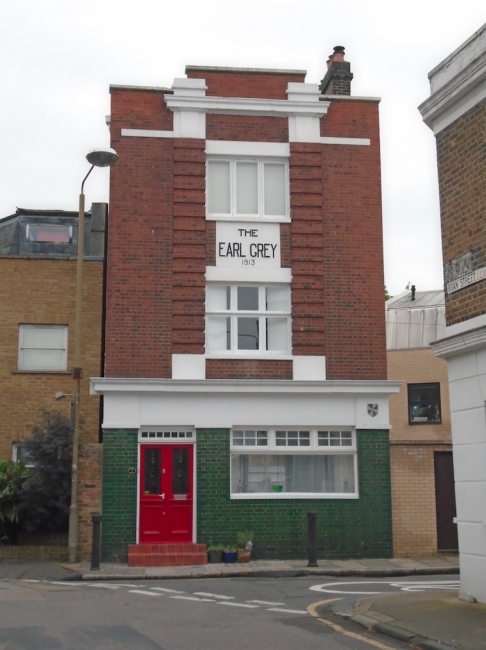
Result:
[247,188]
[248,319]
[42,347]
[424,403]
[47,233]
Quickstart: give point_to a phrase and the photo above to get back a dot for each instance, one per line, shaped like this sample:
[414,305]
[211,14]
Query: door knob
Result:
[162,496]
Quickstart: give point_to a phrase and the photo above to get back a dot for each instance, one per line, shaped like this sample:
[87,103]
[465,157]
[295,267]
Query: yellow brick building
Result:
[37,320]
[423,500]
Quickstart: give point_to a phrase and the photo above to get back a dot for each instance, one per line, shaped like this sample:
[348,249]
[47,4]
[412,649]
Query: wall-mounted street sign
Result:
[466,280]
[247,244]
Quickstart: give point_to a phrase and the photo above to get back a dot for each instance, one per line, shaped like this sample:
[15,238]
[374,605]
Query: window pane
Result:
[250,438]
[248,338]
[218,335]
[151,471]
[274,189]
[219,187]
[292,473]
[277,334]
[43,337]
[218,298]
[276,298]
[424,403]
[180,471]
[246,188]
[42,360]
[48,233]
[247,299]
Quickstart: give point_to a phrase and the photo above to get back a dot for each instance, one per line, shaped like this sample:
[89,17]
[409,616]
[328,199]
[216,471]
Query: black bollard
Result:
[96,541]
[312,517]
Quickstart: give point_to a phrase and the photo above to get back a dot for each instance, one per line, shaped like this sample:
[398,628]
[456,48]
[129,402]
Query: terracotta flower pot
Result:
[244,555]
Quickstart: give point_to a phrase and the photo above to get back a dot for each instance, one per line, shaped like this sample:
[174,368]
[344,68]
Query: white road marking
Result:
[30,580]
[225,602]
[103,586]
[168,591]
[287,611]
[144,593]
[263,602]
[203,593]
[59,582]
[184,597]
[401,585]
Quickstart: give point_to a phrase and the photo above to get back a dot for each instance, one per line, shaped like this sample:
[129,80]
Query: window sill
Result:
[424,422]
[41,372]
[246,357]
[292,495]
[241,219]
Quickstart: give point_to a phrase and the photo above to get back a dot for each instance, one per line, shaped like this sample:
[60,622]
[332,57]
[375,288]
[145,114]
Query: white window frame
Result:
[47,227]
[22,365]
[263,316]
[167,435]
[233,215]
[17,454]
[347,446]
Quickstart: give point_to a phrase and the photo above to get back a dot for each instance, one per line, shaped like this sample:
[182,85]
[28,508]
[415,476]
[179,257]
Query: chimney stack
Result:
[337,80]
[413,292]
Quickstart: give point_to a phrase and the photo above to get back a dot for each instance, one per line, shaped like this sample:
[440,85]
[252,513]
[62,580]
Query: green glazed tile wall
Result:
[119,525]
[345,528]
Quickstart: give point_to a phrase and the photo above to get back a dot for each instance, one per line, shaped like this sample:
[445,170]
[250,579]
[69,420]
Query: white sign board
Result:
[466,280]
[247,244]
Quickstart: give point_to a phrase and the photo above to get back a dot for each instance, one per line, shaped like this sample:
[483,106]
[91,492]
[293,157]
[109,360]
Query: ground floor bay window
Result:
[277,463]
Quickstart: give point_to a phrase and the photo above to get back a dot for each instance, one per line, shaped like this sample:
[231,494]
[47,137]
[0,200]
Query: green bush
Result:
[13,477]
[47,495]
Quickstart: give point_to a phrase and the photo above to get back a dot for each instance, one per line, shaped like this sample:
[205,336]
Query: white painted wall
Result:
[467,388]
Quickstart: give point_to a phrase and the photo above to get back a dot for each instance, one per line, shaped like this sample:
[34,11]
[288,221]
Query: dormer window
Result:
[47,233]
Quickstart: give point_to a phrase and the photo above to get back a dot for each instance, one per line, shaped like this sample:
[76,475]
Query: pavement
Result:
[431,620]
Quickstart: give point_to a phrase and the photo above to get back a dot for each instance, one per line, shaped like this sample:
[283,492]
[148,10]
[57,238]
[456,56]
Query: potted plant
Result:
[245,545]
[215,554]
[230,554]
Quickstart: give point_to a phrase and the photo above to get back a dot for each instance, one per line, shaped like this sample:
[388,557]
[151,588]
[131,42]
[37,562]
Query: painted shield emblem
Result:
[372,410]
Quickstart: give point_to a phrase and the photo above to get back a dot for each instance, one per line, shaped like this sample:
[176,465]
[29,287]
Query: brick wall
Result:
[413,499]
[462,190]
[419,366]
[245,83]
[352,245]
[412,463]
[160,242]
[42,291]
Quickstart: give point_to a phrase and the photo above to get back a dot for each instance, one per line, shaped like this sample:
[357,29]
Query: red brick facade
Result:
[160,242]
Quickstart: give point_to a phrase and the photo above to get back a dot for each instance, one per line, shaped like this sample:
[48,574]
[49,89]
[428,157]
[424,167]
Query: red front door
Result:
[166,494]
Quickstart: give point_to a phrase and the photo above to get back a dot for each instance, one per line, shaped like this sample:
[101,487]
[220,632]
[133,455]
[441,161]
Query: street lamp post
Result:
[97,158]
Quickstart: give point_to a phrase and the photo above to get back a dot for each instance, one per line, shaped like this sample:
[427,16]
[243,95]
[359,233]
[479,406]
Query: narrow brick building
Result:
[245,372]
[422,475]
[456,113]
[38,251]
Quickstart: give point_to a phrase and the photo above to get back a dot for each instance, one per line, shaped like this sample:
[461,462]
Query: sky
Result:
[59,58]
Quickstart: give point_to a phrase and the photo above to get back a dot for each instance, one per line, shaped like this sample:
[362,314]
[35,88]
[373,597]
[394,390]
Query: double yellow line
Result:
[312,609]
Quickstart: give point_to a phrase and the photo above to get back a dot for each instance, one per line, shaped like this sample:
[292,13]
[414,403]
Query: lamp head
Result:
[60,395]
[102,157]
